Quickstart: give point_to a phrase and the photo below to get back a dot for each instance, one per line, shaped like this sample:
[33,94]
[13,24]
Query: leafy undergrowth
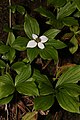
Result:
[40,62]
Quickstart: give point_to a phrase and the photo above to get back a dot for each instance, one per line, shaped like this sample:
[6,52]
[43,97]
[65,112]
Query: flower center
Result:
[38,40]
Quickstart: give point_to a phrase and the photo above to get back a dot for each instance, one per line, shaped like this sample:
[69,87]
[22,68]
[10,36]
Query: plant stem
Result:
[10,14]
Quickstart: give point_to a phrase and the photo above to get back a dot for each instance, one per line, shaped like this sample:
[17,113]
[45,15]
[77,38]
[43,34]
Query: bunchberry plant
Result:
[18,75]
[44,45]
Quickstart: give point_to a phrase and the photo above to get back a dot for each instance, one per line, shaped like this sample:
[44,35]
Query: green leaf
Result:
[57,3]
[24,74]
[72,89]
[6,79]
[32,53]
[45,55]
[51,33]
[43,102]
[44,12]
[10,55]
[66,10]
[77,14]
[72,75]
[70,21]
[6,100]
[67,102]
[11,38]
[20,9]
[77,2]
[74,42]
[2,64]
[4,49]
[6,89]
[56,43]
[20,43]
[40,78]
[30,116]
[45,89]
[6,86]
[53,53]
[27,88]
[56,23]
[31,26]
[18,66]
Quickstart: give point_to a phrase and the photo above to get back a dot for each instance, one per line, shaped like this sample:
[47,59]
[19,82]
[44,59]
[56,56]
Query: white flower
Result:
[37,41]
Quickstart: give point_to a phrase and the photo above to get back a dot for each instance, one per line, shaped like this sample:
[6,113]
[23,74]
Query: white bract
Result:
[37,41]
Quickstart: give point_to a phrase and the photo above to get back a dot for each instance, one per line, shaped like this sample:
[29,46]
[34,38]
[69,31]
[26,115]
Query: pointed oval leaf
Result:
[72,89]
[10,55]
[27,88]
[6,100]
[72,75]
[66,10]
[20,43]
[67,102]
[57,3]
[56,43]
[32,53]
[31,26]
[6,79]
[39,78]
[53,53]
[45,89]
[4,49]
[11,38]
[6,90]
[70,21]
[43,102]
[17,66]
[24,74]
[51,33]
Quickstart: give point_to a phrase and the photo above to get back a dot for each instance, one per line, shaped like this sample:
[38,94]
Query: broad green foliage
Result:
[67,102]
[49,51]
[6,86]
[31,26]
[43,102]
[32,53]
[23,75]
[18,66]
[70,76]
[67,91]
[10,39]
[66,10]
[6,100]
[4,49]
[24,84]
[19,53]
[20,43]
[57,3]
